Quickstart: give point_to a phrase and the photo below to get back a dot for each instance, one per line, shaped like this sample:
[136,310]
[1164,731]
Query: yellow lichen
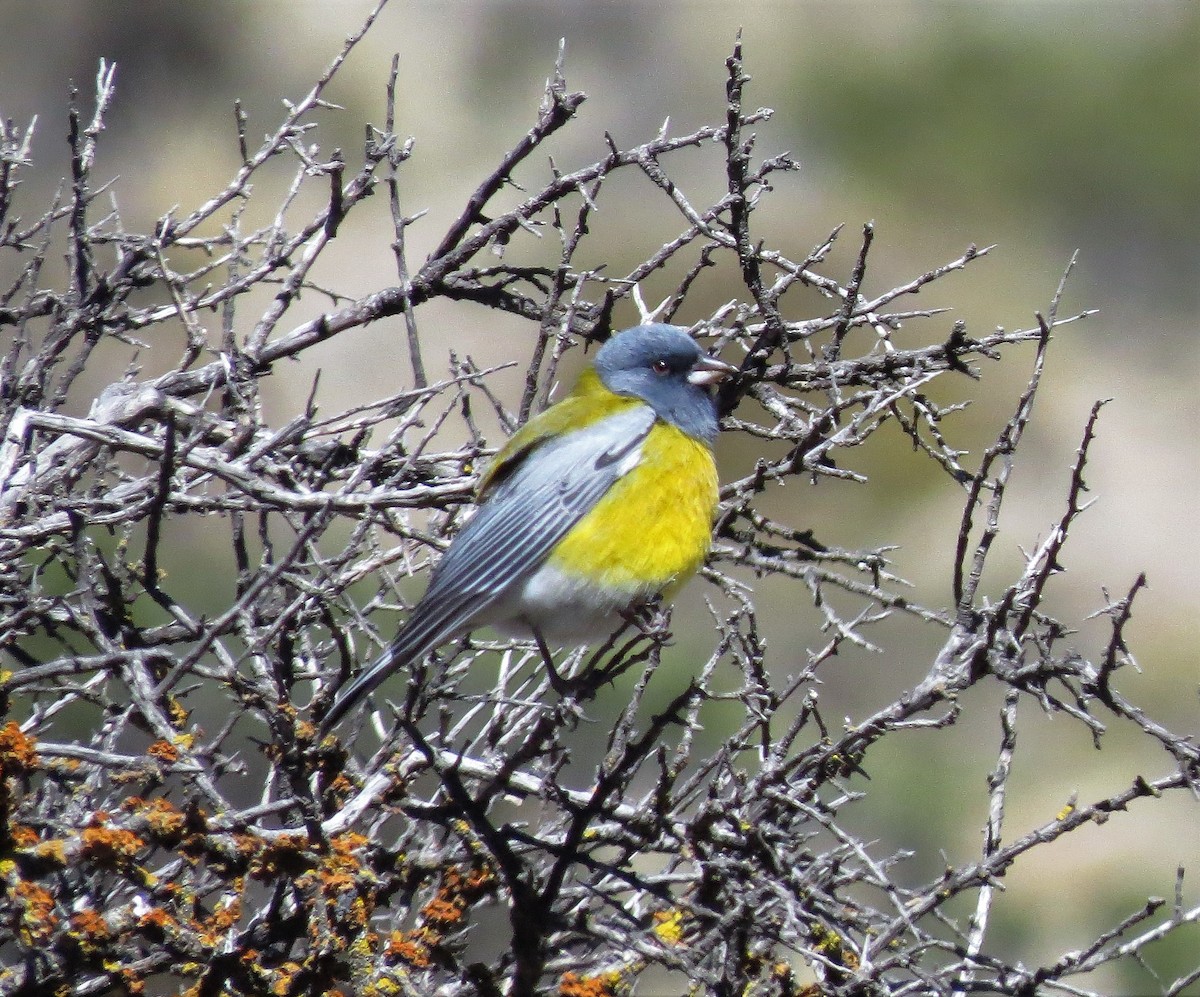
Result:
[284,977]
[54,850]
[176,712]
[668,926]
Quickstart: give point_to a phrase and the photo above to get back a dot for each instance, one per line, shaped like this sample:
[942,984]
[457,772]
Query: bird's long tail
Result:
[421,634]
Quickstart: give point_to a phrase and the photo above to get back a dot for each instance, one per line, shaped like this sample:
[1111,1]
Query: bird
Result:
[591,509]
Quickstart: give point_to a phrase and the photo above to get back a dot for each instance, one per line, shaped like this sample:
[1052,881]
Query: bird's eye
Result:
[661,367]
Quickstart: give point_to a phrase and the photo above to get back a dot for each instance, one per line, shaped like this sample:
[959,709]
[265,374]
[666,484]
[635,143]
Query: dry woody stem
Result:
[168,818]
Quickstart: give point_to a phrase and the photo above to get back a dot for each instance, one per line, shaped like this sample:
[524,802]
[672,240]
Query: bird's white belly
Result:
[562,608]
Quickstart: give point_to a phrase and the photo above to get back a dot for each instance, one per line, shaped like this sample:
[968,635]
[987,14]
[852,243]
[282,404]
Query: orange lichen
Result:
[18,752]
[348,841]
[164,751]
[286,855]
[284,976]
[333,880]
[456,893]
[247,844]
[341,785]
[165,821]
[110,845]
[38,919]
[409,948]
[89,930]
[23,836]
[340,876]
[444,911]
[157,919]
[133,982]
[341,866]
[229,911]
[226,915]
[574,985]
[480,879]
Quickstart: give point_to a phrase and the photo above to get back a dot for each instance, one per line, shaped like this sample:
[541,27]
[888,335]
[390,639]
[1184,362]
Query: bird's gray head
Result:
[663,366]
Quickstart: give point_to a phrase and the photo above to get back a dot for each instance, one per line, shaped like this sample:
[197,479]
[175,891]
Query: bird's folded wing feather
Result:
[535,505]
[546,491]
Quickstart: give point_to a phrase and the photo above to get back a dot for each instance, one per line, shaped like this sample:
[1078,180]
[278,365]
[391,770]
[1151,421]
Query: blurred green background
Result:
[1044,127]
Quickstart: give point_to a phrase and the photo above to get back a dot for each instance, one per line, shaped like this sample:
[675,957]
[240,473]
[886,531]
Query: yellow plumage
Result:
[652,530]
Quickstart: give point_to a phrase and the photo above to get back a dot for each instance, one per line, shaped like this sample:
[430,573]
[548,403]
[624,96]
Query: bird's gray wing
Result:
[546,493]
[535,506]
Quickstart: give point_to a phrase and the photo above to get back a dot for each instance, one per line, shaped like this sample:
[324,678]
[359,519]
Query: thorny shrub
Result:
[446,847]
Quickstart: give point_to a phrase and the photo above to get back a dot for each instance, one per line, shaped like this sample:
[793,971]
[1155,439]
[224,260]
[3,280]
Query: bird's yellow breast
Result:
[652,530]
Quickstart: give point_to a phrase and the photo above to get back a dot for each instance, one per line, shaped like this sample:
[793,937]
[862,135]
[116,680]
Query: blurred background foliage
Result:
[1044,127]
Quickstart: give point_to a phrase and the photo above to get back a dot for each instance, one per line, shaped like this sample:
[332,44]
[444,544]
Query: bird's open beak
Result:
[710,370]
